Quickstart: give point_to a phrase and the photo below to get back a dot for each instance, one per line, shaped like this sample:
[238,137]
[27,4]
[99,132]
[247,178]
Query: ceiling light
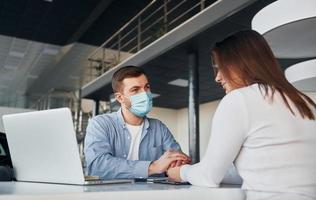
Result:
[50,51]
[74,77]
[179,82]
[32,76]
[20,92]
[302,75]
[10,67]
[289,26]
[3,87]
[17,54]
[7,78]
[154,95]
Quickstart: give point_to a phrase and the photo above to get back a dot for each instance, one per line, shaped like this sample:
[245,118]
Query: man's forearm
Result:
[108,167]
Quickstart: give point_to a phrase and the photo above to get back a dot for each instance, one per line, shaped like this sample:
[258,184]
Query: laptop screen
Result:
[43,146]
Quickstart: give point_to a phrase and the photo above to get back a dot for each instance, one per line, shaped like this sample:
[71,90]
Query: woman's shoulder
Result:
[250,90]
[237,93]
[242,94]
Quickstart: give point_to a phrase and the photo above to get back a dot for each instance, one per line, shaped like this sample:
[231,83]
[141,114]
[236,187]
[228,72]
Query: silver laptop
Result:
[44,148]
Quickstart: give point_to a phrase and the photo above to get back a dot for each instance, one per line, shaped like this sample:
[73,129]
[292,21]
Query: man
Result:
[127,144]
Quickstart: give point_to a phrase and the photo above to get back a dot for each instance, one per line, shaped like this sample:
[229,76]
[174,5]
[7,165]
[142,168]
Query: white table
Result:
[137,191]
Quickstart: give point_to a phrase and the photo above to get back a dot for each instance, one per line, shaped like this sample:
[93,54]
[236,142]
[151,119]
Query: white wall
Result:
[167,116]
[207,111]
[7,110]
[311,95]
[177,122]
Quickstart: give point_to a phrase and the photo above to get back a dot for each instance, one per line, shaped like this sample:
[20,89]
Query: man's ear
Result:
[119,97]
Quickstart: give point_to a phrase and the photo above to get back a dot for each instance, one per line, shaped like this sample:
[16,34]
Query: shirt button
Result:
[124,155]
[128,137]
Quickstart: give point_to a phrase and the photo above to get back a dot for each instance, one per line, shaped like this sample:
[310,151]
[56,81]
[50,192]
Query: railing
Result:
[55,99]
[152,22]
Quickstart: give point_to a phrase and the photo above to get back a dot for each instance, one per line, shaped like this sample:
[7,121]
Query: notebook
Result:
[44,148]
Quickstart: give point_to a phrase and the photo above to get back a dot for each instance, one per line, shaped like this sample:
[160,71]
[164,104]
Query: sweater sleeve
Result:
[229,128]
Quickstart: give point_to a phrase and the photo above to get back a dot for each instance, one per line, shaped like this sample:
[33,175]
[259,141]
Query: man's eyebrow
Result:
[134,87]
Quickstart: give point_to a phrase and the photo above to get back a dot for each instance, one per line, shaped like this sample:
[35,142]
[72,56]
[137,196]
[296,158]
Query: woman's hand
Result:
[174,174]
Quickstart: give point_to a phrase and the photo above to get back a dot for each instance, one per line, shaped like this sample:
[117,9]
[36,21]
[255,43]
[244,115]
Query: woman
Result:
[263,125]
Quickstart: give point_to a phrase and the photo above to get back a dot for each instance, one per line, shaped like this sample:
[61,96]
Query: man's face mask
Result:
[141,104]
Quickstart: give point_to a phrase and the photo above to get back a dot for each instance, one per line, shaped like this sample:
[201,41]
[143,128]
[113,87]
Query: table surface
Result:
[130,191]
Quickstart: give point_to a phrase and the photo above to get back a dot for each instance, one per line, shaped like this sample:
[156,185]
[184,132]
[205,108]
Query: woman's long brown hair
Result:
[247,54]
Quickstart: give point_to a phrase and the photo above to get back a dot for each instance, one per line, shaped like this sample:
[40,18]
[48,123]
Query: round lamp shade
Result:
[289,26]
[303,75]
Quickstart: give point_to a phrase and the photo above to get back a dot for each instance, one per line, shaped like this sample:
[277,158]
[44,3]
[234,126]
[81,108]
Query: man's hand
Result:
[179,163]
[174,174]
[163,163]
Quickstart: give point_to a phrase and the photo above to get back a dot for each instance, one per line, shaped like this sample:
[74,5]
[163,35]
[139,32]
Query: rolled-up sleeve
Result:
[100,159]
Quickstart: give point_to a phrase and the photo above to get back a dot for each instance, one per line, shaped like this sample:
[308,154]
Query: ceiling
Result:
[44,45]
[58,22]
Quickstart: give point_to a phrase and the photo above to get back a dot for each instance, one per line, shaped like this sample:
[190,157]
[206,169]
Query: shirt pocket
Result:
[156,152]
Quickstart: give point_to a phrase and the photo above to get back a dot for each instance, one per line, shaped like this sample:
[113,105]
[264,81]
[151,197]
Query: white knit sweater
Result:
[273,150]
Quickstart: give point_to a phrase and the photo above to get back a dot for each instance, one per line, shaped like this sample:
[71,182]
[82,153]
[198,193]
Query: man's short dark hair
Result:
[123,73]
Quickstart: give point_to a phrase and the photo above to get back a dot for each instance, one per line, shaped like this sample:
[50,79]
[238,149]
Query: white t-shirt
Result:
[273,150]
[135,133]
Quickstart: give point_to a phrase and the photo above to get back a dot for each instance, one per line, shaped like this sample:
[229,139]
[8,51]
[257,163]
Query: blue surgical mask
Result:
[141,104]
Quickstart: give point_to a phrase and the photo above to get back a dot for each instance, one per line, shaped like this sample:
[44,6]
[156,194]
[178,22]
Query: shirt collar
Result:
[123,123]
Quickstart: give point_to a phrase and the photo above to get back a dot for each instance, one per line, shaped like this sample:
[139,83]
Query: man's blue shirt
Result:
[107,145]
